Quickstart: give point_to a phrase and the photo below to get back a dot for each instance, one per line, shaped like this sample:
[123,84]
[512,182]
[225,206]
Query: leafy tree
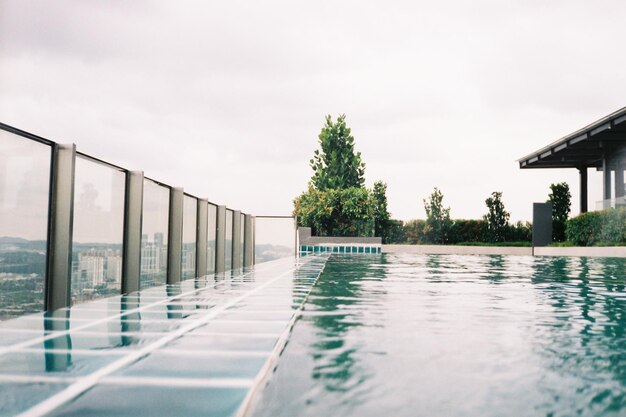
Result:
[336,165]
[437,218]
[561,206]
[497,218]
[380,214]
[335,212]
[414,230]
[397,232]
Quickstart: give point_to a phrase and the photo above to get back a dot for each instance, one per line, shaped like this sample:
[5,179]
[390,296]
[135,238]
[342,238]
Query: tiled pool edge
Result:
[266,371]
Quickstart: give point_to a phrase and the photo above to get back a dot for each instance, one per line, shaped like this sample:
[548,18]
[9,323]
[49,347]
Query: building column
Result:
[584,198]
[619,181]
[606,182]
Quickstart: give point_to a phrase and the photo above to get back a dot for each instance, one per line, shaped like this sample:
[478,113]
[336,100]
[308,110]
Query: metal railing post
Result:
[237,239]
[175,236]
[248,245]
[220,240]
[202,223]
[60,227]
[133,212]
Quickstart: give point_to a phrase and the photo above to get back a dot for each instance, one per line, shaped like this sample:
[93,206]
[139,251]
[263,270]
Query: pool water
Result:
[442,335]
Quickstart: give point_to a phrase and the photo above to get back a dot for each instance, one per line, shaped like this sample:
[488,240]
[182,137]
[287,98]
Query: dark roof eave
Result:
[585,133]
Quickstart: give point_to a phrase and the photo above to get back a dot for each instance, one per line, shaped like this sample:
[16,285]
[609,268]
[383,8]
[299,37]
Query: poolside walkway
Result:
[200,347]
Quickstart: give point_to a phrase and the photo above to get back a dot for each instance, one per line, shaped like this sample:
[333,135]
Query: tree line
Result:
[336,203]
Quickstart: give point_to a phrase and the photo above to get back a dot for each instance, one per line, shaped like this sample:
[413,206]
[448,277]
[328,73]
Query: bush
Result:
[560,198]
[519,232]
[437,218]
[335,212]
[606,227]
[467,231]
[414,231]
[396,232]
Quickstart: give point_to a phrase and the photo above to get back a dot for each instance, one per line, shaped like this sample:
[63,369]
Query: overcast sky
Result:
[227,98]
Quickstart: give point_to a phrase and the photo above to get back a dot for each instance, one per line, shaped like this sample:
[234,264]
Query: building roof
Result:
[582,148]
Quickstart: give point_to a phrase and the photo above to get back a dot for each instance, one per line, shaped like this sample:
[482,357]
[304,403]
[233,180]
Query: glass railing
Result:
[111,230]
[619,202]
[190,208]
[98,230]
[24,198]
[154,237]
[228,253]
[211,238]
[275,237]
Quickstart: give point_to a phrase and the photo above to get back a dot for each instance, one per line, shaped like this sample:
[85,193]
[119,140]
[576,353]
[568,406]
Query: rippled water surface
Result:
[411,335]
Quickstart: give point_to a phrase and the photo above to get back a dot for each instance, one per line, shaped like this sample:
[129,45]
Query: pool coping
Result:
[578,251]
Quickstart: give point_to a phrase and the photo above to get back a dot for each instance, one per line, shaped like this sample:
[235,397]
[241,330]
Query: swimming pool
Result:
[336,335]
[444,335]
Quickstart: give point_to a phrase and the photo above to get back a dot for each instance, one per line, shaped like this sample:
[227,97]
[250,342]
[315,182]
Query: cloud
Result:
[227,98]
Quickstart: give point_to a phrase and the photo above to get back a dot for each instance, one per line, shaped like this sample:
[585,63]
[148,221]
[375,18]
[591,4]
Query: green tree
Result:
[335,212]
[437,218]
[380,214]
[497,218]
[561,206]
[336,165]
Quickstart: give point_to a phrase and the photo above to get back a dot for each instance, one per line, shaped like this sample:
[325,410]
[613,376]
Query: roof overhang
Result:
[585,147]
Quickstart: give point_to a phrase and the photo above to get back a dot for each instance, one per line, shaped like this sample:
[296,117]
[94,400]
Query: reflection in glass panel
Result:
[210,247]
[275,237]
[228,247]
[24,187]
[190,207]
[156,204]
[242,234]
[98,231]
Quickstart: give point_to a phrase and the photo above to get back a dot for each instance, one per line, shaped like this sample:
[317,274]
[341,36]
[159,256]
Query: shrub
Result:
[396,233]
[519,232]
[414,230]
[335,212]
[560,198]
[497,217]
[606,227]
[437,218]
[467,231]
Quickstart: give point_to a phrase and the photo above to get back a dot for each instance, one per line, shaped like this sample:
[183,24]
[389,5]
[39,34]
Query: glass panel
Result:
[242,234]
[190,207]
[275,237]
[210,247]
[98,230]
[156,205]
[228,248]
[24,190]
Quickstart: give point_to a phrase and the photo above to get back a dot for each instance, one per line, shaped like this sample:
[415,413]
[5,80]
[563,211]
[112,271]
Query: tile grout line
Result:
[87,382]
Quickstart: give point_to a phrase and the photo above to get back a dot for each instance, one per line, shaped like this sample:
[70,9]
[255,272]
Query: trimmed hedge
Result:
[606,227]
[460,231]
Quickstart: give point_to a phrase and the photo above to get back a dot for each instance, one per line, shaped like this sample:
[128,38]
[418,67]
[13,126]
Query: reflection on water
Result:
[409,335]
[57,355]
[336,365]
